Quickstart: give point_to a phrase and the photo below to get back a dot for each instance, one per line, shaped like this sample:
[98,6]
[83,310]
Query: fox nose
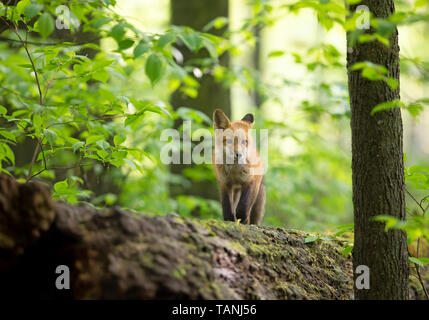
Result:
[238,155]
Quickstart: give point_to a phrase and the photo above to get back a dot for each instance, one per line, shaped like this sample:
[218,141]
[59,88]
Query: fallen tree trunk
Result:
[117,254]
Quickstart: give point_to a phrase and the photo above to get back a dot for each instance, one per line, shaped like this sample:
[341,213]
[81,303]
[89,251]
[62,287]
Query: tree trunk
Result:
[256,57]
[211,94]
[378,168]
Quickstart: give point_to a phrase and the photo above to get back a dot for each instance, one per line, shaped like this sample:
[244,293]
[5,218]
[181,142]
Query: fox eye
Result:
[243,141]
[228,141]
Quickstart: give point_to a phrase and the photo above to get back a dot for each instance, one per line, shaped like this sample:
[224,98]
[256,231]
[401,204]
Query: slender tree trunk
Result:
[257,66]
[211,94]
[378,168]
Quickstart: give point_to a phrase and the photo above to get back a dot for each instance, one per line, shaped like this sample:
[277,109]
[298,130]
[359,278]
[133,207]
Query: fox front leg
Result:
[227,207]
[234,197]
[245,204]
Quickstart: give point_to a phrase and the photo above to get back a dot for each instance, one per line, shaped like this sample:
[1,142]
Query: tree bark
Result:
[378,168]
[211,94]
[115,254]
[256,57]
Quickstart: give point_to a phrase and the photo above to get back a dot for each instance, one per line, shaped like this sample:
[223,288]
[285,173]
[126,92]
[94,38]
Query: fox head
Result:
[233,137]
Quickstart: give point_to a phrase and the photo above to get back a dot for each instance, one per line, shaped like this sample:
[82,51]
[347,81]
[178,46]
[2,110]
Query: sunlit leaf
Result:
[154,68]
[46,24]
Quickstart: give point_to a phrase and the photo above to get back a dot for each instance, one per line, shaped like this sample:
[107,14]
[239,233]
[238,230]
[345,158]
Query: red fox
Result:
[240,175]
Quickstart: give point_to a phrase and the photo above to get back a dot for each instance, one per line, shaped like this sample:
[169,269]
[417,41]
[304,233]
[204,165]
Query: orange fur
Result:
[242,193]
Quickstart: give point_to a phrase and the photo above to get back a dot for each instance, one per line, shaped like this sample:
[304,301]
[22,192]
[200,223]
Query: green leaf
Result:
[141,48]
[3,111]
[420,3]
[414,109]
[101,75]
[386,106]
[217,23]
[193,115]
[347,250]
[159,109]
[46,24]
[51,136]
[102,154]
[32,10]
[125,44]
[277,53]
[392,83]
[211,48]
[344,228]
[61,187]
[101,21]
[7,172]
[92,139]
[37,121]
[192,40]
[77,145]
[117,32]
[8,135]
[310,239]
[390,222]
[103,144]
[417,261]
[117,139]
[371,71]
[119,155]
[6,151]
[20,7]
[133,119]
[166,39]
[154,68]
[220,22]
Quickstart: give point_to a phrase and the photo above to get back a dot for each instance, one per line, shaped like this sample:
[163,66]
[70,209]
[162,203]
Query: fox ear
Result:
[220,120]
[248,118]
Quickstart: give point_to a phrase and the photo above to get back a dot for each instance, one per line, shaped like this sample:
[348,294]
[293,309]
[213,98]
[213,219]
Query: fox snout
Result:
[235,154]
[240,158]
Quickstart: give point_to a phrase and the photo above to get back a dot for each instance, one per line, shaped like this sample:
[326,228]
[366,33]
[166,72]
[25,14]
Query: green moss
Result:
[178,220]
[179,272]
[236,246]
[147,260]
[254,257]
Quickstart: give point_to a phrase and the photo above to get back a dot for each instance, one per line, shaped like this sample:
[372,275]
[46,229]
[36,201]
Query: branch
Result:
[420,204]
[33,160]
[6,39]
[420,280]
[14,27]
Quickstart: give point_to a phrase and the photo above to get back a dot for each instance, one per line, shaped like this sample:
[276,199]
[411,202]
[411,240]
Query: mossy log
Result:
[117,254]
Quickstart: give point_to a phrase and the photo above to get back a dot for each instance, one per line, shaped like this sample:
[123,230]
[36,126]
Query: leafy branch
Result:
[416,263]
